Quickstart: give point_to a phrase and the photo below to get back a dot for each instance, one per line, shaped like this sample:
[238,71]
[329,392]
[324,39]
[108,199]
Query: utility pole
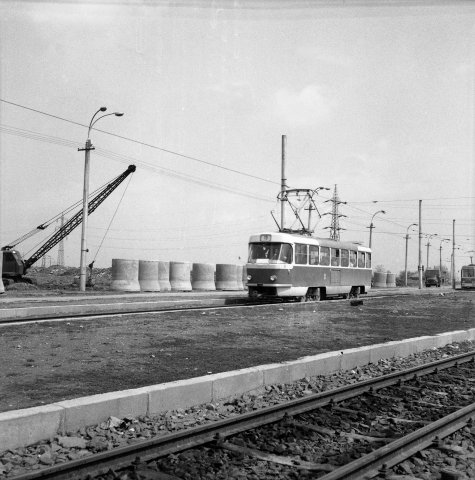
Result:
[428,245]
[61,246]
[283,184]
[407,241]
[453,254]
[419,266]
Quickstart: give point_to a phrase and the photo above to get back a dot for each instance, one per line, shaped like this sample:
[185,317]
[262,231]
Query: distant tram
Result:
[302,268]
[467,275]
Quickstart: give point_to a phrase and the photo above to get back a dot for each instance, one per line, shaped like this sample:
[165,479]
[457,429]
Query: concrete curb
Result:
[24,427]
[58,311]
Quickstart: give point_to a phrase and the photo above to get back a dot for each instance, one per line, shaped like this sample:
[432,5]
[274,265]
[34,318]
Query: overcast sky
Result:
[377,100]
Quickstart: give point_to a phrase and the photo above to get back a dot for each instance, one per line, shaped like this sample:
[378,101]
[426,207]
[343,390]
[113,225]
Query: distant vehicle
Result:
[432,277]
[467,275]
[14,267]
[301,268]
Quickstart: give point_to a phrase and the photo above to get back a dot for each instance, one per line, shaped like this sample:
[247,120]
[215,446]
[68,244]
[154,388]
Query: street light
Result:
[371,226]
[88,147]
[428,245]
[407,240]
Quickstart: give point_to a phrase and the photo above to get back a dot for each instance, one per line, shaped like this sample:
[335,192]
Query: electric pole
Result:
[60,261]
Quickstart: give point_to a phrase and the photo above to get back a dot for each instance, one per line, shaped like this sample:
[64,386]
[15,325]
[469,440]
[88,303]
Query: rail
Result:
[197,436]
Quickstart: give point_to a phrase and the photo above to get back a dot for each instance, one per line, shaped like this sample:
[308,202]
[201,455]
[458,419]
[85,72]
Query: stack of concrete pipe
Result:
[157,276]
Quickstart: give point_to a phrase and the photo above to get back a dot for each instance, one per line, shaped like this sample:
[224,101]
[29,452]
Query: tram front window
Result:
[270,253]
[468,272]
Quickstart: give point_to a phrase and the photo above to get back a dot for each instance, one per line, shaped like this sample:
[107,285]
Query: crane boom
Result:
[76,220]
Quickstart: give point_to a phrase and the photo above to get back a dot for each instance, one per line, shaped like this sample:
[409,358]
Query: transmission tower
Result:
[335,223]
[61,246]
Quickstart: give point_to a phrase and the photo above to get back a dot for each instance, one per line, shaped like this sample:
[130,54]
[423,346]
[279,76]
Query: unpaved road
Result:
[46,362]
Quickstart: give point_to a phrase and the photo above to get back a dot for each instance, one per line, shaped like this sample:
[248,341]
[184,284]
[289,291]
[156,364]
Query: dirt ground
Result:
[52,361]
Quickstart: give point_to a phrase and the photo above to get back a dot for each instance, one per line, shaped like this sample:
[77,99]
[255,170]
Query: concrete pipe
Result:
[380,279]
[148,276]
[244,277]
[2,287]
[391,280]
[239,277]
[226,277]
[164,276]
[180,273]
[202,276]
[125,275]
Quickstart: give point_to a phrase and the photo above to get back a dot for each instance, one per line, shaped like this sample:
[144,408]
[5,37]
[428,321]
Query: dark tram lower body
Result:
[306,282]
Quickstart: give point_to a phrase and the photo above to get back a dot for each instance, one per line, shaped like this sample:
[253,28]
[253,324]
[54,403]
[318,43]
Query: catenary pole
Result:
[453,254]
[419,266]
[283,187]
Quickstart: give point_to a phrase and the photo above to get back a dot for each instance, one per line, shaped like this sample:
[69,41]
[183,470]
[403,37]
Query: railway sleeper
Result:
[280,459]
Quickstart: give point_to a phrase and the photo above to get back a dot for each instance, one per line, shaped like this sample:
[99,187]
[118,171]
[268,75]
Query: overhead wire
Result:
[127,159]
[143,143]
[107,154]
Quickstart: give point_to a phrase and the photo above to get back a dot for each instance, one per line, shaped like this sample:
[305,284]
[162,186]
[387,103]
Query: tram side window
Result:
[324,256]
[313,252]
[352,258]
[361,259]
[300,254]
[335,257]
[368,260]
[344,258]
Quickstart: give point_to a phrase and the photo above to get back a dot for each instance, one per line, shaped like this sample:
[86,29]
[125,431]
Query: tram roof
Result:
[296,238]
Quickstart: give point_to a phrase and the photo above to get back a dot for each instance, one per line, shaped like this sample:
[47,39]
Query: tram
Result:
[297,267]
[467,275]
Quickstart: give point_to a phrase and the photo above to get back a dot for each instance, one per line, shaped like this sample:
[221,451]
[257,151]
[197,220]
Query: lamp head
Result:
[103,109]
[118,114]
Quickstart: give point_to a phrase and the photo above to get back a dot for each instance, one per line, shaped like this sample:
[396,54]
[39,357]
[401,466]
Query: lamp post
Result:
[428,245]
[88,147]
[371,226]
[407,241]
[440,253]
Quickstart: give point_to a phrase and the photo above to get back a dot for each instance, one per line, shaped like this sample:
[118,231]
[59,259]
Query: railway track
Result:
[135,308]
[357,431]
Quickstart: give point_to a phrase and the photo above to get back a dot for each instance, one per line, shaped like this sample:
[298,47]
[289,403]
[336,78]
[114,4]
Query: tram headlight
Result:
[273,278]
[249,277]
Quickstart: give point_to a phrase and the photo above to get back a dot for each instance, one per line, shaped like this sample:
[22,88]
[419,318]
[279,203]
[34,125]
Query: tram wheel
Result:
[313,295]
[355,292]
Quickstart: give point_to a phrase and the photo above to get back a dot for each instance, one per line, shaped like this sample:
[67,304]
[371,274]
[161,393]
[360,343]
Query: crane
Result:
[14,267]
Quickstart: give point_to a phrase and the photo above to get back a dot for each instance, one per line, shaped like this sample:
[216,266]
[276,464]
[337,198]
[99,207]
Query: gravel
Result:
[117,432]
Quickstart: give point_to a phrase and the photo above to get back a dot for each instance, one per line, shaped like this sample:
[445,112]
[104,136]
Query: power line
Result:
[142,143]
[127,160]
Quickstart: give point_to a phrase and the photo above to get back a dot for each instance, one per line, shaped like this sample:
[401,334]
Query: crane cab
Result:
[13,265]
